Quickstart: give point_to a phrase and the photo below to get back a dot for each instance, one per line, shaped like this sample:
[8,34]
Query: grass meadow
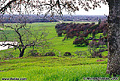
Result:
[52,68]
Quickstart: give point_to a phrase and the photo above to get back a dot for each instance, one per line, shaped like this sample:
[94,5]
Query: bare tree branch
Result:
[7,5]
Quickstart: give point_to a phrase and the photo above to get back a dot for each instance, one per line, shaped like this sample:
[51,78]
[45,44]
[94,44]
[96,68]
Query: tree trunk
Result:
[113,66]
[22,52]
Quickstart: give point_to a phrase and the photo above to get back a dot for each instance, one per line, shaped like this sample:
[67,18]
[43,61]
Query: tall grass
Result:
[53,68]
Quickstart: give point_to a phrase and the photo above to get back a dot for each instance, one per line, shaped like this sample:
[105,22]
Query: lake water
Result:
[8,46]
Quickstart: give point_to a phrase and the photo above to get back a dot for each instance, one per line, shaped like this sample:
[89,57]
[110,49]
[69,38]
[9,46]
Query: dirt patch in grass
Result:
[99,60]
[76,64]
[54,58]
[2,62]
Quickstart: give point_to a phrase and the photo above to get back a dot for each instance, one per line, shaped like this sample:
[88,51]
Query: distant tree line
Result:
[84,33]
[41,18]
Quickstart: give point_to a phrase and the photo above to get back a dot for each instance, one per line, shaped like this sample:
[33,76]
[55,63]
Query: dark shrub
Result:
[33,53]
[50,54]
[67,54]
[59,34]
[100,56]
[81,42]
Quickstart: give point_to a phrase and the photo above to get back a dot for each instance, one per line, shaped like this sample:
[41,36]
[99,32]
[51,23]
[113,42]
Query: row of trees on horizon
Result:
[41,18]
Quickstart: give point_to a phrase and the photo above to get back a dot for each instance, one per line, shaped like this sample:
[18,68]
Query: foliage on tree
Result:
[52,6]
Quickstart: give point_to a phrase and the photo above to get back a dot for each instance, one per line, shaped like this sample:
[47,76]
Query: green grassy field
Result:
[55,43]
[52,68]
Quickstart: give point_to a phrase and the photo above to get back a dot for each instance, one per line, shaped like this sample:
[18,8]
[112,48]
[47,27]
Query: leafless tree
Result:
[23,35]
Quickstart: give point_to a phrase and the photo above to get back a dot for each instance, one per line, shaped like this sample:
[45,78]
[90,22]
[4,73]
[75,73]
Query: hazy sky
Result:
[104,10]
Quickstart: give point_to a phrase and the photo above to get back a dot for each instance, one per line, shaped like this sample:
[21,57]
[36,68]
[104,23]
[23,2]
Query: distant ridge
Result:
[41,18]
